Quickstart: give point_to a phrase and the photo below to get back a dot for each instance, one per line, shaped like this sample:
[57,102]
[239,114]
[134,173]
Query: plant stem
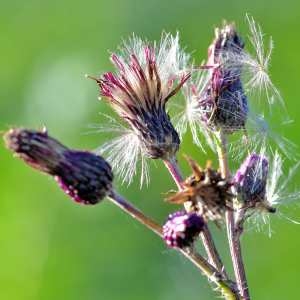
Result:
[134,212]
[226,287]
[232,234]
[206,237]
[212,252]
[175,172]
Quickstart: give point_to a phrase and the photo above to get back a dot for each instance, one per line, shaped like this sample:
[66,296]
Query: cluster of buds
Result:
[147,76]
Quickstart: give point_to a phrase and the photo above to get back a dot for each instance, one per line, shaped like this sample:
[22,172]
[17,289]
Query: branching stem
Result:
[206,237]
[226,287]
[233,235]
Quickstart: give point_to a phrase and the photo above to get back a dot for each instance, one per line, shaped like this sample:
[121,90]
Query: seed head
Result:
[84,176]
[205,191]
[181,229]
[224,103]
[147,77]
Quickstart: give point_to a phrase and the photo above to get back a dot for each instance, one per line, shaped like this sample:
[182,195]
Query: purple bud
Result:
[84,176]
[182,229]
[224,103]
[250,179]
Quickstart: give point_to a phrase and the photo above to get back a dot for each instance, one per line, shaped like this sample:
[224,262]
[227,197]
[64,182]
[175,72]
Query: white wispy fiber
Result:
[257,135]
[278,193]
[170,58]
[278,183]
[190,114]
[255,64]
[167,59]
[124,151]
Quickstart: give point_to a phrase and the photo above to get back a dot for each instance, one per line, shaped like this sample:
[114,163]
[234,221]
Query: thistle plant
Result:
[219,103]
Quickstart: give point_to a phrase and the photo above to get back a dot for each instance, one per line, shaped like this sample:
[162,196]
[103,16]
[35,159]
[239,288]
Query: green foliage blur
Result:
[51,248]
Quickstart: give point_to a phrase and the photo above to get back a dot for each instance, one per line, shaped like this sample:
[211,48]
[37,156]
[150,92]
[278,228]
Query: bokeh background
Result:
[51,248]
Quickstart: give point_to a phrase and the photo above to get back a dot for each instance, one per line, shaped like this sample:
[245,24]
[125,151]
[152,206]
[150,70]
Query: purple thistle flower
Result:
[84,176]
[224,103]
[147,77]
[250,179]
[181,229]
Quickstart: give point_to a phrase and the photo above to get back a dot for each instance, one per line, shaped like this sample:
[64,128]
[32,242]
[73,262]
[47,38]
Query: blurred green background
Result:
[51,248]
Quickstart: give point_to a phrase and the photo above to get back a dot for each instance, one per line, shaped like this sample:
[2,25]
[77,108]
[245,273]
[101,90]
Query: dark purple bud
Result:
[182,229]
[84,176]
[224,103]
[250,179]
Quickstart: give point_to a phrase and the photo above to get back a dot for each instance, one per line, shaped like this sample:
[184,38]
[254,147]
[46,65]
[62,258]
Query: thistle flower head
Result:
[181,229]
[147,76]
[250,179]
[215,98]
[84,176]
[224,103]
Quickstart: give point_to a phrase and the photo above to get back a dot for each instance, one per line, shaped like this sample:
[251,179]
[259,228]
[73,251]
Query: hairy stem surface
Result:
[232,235]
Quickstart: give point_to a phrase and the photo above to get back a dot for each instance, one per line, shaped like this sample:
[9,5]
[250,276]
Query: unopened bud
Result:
[182,229]
[84,176]
[250,179]
[224,103]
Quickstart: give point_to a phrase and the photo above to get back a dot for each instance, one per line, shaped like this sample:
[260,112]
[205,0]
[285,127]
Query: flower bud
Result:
[84,176]
[250,179]
[182,229]
[224,103]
